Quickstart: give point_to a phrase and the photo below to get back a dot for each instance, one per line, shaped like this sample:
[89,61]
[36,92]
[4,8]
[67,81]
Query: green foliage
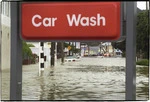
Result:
[76,50]
[142,39]
[144,62]
[30,45]
[66,44]
[124,54]
[142,34]
[120,45]
[26,51]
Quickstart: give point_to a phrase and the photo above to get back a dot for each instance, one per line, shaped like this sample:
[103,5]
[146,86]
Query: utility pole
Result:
[80,49]
[75,47]
[55,53]
[88,49]
[84,50]
[69,50]
[100,45]
[62,52]
[52,53]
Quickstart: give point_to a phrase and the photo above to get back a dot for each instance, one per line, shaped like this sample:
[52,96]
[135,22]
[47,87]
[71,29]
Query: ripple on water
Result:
[88,79]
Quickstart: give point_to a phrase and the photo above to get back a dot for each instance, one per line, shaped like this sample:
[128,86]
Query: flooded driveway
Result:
[87,79]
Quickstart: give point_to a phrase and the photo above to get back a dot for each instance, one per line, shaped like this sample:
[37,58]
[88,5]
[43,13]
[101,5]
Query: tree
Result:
[120,45]
[142,40]
[26,51]
[30,45]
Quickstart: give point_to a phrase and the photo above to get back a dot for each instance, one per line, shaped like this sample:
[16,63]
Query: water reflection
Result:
[143,89]
[52,85]
[42,84]
[79,83]
[143,71]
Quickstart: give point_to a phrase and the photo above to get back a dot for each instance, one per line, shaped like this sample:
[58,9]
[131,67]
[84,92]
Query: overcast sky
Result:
[141,5]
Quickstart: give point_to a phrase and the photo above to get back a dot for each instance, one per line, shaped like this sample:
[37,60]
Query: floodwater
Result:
[87,79]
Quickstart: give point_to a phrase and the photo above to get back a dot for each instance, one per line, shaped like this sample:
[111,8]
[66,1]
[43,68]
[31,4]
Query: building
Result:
[5,47]
[5,36]
[0,37]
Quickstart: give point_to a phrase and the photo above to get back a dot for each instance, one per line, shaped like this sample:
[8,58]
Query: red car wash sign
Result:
[70,20]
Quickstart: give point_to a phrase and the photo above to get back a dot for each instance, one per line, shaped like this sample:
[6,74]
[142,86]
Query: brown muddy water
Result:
[86,79]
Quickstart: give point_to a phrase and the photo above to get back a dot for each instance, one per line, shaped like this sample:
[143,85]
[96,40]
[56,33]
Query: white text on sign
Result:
[73,20]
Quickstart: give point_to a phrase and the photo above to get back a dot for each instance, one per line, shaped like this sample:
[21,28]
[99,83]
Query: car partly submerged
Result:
[72,58]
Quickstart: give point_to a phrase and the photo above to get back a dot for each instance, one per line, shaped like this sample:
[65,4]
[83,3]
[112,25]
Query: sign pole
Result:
[131,51]
[16,55]
[55,54]
[41,56]
[69,49]
[52,53]
[62,52]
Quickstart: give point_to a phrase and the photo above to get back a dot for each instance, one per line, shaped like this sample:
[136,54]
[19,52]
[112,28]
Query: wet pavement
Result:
[87,79]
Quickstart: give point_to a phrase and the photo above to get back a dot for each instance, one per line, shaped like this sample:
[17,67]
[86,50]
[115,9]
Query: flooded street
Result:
[87,79]
[107,39]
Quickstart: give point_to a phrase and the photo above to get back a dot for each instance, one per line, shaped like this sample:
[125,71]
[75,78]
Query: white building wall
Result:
[5,50]
[5,47]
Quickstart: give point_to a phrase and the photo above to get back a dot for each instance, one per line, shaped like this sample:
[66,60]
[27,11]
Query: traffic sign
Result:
[70,20]
[69,47]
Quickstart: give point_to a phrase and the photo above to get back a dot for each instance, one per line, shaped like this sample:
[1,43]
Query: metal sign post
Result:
[16,55]
[41,56]
[131,8]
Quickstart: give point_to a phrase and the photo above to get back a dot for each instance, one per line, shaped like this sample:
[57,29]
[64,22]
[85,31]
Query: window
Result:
[6,8]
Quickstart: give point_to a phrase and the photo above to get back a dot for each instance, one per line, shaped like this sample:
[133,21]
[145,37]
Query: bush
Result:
[143,62]
[123,54]
[26,51]
[26,54]
[30,45]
